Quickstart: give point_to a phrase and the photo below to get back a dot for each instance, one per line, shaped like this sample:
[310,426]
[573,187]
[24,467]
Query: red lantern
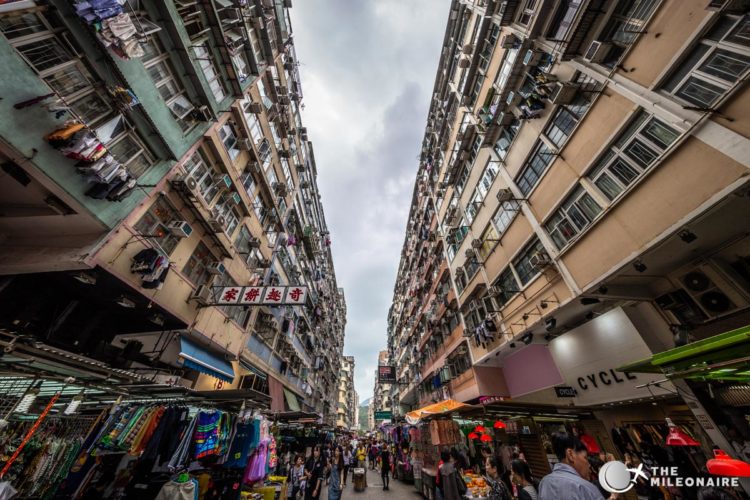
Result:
[499,425]
[678,437]
[592,447]
[473,435]
[724,465]
[486,438]
[479,429]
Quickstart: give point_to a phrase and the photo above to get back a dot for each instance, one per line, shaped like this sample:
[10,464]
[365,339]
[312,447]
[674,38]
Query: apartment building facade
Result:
[142,172]
[347,396]
[580,205]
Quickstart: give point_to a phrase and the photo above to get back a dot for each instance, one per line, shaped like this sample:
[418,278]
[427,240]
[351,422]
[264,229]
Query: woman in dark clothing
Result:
[521,477]
[385,465]
[315,471]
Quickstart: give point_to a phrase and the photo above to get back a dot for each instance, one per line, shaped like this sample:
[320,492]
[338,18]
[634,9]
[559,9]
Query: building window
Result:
[206,62]
[633,152]
[483,187]
[196,267]
[504,215]
[153,224]
[206,176]
[251,255]
[508,284]
[489,240]
[228,136]
[507,134]
[522,263]
[535,167]
[714,65]
[527,12]
[567,116]
[159,68]
[224,208]
[253,123]
[575,214]
[627,22]
[287,173]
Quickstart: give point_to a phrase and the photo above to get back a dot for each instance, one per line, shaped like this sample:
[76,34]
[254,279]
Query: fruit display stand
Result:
[476,486]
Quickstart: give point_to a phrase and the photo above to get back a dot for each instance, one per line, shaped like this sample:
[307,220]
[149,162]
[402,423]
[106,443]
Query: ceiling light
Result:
[74,404]
[687,236]
[550,324]
[157,319]
[125,302]
[512,345]
[88,279]
[587,301]
[639,266]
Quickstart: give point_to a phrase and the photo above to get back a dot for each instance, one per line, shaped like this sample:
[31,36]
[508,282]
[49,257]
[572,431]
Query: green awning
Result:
[291,400]
[721,357]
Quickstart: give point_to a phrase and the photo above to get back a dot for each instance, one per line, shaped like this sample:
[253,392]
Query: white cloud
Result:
[367,71]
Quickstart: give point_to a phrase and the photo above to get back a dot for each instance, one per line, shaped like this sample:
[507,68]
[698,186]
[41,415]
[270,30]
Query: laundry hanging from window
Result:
[152,265]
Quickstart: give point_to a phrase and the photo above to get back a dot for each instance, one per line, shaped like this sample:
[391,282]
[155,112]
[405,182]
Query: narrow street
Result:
[397,489]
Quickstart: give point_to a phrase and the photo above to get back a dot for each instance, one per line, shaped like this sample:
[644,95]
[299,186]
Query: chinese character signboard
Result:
[387,374]
[383,415]
[260,295]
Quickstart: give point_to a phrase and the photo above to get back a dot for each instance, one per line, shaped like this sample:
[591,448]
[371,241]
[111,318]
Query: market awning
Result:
[449,405]
[204,361]
[721,357]
[291,400]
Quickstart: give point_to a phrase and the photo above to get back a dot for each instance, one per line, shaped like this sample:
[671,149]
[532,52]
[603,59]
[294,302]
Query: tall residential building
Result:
[382,397]
[146,173]
[581,203]
[347,396]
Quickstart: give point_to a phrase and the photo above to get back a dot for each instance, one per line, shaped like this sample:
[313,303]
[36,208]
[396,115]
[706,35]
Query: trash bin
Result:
[360,479]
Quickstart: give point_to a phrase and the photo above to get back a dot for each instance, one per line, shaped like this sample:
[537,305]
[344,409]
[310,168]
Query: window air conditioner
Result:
[217,224]
[280,189]
[470,253]
[245,144]
[539,260]
[597,51]
[254,107]
[504,195]
[282,90]
[563,92]
[509,41]
[477,243]
[203,113]
[468,48]
[180,228]
[464,62]
[513,99]
[504,118]
[253,242]
[284,153]
[216,268]
[532,57]
[202,295]
[185,183]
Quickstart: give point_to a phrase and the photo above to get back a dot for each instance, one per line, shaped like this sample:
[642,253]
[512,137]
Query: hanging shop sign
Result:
[587,358]
[383,415]
[387,374]
[260,295]
[565,391]
[488,400]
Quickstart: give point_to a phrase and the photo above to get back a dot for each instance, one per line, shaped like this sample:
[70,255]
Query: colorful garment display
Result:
[206,436]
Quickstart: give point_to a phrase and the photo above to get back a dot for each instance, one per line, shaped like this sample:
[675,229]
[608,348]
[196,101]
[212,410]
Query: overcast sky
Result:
[367,69]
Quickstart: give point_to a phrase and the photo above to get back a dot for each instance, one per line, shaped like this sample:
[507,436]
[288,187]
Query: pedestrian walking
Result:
[520,475]
[385,466]
[361,456]
[296,478]
[453,486]
[315,470]
[336,470]
[498,490]
[570,477]
[348,462]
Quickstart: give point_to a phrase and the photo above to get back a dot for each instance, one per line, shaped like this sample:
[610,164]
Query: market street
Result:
[397,489]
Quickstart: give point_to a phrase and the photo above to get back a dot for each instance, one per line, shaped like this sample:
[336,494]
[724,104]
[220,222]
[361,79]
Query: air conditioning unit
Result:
[504,194]
[513,99]
[289,65]
[203,113]
[532,57]
[185,183]
[264,264]
[509,41]
[282,90]
[468,48]
[477,243]
[245,144]
[563,92]
[280,189]
[713,290]
[470,253]
[504,118]
[255,108]
[284,153]
[597,51]
[202,295]
[495,291]
[253,242]
[226,181]
[217,224]
[216,268]
[180,228]
[464,62]
[235,199]
[539,260]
